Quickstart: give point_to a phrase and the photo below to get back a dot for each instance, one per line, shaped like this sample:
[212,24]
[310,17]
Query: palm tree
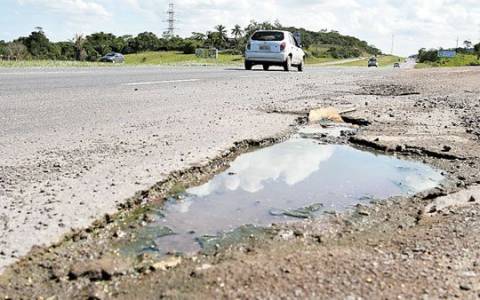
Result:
[222,31]
[467,44]
[237,31]
[198,36]
[79,42]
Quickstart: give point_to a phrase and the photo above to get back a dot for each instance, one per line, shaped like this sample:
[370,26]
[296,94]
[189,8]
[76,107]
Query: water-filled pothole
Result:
[299,178]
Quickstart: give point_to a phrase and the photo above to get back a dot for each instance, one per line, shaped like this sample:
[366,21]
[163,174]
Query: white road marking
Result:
[160,82]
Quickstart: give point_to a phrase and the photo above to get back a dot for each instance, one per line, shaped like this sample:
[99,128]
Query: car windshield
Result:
[268,36]
[110,54]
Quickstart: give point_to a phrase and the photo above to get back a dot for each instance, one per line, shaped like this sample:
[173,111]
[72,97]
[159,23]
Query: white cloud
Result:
[290,162]
[79,16]
[82,8]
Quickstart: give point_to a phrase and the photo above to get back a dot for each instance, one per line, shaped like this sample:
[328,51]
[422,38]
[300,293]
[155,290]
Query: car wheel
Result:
[301,66]
[248,65]
[287,64]
[266,67]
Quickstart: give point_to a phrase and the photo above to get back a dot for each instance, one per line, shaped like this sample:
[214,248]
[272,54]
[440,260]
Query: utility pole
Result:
[171,20]
[479,33]
[393,43]
[458,40]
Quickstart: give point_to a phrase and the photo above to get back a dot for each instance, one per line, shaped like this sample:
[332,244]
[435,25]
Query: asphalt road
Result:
[74,143]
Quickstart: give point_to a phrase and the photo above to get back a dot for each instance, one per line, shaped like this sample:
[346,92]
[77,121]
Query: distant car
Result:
[373,63]
[274,48]
[113,58]
[396,65]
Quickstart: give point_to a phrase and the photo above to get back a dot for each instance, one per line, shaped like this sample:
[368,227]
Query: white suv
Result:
[274,48]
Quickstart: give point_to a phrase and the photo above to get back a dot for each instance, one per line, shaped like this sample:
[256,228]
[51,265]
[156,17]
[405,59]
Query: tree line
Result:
[431,55]
[92,47]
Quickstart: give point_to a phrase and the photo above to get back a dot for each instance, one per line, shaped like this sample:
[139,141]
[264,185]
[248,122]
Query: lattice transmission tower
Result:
[171,20]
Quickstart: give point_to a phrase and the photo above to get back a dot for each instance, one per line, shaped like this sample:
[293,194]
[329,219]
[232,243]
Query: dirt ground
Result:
[423,247]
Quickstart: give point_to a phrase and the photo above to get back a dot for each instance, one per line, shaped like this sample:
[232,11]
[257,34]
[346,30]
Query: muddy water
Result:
[299,178]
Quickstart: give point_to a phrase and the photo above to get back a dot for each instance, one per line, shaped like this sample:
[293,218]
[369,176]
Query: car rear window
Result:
[268,36]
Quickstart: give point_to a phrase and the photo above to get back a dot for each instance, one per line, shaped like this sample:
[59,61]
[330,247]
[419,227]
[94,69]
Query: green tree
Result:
[198,36]
[477,50]
[427,55]
[66,50]
[237,31]
[39,46]
[467,44]
[100,43]
[3,47]
[213,39]
[219,36]
[146,41]
[190,46]
[222,31]
[174,43]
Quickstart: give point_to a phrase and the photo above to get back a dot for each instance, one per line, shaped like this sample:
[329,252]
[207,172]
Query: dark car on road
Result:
[113,58]
[372,62]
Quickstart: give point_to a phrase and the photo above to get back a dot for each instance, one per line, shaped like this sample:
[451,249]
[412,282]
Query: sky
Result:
[414,24]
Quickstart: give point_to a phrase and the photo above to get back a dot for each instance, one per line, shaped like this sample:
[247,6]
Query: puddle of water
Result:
[299,178]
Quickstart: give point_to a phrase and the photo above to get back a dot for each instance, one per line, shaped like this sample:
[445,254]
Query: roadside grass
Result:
[145,58]
[311,60]
[178,58]
[383,61]
[461,60]
[49,63]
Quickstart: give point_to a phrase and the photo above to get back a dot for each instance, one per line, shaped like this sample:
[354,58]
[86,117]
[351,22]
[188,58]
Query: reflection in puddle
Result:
[273,184]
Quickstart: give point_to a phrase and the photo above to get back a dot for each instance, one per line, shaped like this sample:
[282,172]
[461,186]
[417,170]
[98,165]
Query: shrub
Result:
[428,55]
[189,47]
[17,50]
[317,53]
[477,50]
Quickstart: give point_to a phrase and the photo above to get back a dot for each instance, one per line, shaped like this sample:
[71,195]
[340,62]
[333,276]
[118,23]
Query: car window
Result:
[294,41]
[268,36]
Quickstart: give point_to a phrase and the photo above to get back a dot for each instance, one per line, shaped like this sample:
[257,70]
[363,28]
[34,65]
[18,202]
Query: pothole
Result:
[300,178]
[387,90]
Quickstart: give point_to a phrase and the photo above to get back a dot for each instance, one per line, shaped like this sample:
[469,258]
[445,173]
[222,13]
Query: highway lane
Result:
[74,143]
[20,80]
